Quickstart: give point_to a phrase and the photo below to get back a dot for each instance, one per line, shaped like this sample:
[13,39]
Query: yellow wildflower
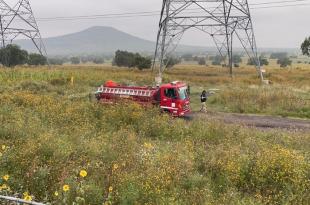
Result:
[110,189]
[3,187]
[83,173]
[56,193]
[3,147]
[28,198]
[148,145]
[115,167]
[6,177]
[66,188]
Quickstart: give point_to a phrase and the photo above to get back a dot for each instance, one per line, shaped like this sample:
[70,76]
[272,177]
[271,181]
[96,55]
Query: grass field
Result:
[289,94]
[50,131]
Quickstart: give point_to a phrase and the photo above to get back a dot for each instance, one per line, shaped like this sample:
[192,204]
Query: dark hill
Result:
[98,40]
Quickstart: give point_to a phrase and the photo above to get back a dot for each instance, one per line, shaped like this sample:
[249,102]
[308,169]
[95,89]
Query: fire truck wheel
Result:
[165,111]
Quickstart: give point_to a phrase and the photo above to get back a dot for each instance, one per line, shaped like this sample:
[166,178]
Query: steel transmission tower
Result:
[19,21]
[222,20]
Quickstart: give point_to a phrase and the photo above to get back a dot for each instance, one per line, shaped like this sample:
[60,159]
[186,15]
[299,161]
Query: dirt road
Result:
[258,121]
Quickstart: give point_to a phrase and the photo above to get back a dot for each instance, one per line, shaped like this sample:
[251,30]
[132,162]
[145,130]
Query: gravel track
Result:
[258,121]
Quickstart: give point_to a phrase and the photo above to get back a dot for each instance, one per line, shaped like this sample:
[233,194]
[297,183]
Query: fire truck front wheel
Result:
[165,111]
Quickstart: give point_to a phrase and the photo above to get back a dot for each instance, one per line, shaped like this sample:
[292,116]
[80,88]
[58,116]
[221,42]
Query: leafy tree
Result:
[75,60]
[13,55]
[56,61]
[236,59]
[36,59]
[171,61]
[284,62]
[202,61]
[143,63]
[98,60]
[251,61]
[305,47]
[216,60]
[83,60]
[278,55]
[262,59]
[187,57]
[124,58]
[128,59]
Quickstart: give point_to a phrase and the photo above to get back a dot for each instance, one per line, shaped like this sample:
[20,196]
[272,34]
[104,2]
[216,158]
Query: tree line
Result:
[281,58]
[13,55]
[236,60]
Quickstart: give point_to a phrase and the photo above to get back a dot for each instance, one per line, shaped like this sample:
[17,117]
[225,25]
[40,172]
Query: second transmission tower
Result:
[222,20]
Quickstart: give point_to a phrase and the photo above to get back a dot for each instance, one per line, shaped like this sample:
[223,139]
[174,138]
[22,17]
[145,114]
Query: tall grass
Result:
[264,100]
[288,95]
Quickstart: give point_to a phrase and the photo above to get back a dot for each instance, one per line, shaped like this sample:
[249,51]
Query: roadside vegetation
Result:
[58,146]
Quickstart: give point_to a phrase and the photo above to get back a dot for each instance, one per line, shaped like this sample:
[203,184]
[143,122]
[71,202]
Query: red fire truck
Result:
[172,98]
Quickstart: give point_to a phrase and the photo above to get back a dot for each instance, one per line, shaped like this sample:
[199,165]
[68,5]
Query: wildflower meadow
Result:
[58,146]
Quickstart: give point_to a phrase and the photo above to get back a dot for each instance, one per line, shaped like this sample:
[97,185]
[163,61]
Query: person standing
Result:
[203,99]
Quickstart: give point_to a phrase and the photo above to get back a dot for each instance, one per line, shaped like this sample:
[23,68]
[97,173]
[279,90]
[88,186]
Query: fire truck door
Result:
[169,97]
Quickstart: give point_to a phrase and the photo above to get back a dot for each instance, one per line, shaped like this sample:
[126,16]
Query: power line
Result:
[283,6]
[278,2]
[156,13]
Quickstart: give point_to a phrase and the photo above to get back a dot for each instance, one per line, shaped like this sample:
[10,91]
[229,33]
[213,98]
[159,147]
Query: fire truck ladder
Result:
[125,91]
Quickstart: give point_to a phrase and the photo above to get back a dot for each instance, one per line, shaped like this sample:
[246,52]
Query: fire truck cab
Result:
[174,98]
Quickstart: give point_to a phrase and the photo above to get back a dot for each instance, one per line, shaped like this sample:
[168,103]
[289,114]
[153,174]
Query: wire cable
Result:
[146,14]
[157,12]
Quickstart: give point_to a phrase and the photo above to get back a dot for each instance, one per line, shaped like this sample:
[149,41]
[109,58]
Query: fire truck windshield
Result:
[183,93]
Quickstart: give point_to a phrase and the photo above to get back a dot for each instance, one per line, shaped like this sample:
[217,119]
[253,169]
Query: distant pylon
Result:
[220,19]
[19,21]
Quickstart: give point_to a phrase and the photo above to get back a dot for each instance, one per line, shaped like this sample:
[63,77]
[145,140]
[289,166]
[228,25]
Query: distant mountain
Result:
[98,40]
[106,40]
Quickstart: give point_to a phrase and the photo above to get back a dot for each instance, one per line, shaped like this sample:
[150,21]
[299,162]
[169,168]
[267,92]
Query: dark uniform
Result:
[203,99]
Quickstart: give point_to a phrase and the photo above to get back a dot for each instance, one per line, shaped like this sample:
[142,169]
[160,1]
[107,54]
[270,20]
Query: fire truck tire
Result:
[166,111]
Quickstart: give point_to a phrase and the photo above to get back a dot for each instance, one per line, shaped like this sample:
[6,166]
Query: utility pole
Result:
[220,19]
[18,20]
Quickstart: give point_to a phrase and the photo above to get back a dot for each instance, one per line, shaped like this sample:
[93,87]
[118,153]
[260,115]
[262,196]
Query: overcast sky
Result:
[274,27]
